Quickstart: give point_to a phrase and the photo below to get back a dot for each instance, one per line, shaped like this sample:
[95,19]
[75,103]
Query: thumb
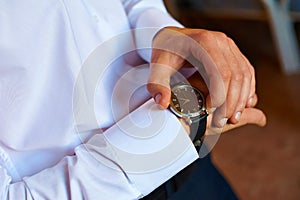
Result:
[249,116]
[253,116]
[158,84]
[163,65]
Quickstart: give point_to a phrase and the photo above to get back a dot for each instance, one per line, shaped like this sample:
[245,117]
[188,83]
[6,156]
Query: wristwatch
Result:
[188,103]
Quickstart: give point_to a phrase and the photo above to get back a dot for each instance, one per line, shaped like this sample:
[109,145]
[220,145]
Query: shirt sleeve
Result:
[106,167]
[148,17]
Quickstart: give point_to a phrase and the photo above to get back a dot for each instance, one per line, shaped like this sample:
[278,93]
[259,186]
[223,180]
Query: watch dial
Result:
[186,100]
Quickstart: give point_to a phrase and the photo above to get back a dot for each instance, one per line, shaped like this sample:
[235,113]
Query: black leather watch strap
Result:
[198,128]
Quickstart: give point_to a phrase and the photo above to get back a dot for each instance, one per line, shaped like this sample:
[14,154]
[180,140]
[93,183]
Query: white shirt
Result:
[50,147]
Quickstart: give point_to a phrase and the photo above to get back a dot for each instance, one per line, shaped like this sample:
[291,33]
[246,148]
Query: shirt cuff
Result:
[150,146]
[4,182]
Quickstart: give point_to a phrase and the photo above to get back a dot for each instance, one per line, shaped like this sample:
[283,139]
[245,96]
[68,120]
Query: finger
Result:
[160,93]
[252,93]
[249,116]
[219,118]
[210,51]
[252,101]
[163,65]
[241,77]
[235,89]
[158,84]
[253,79]
[224,70]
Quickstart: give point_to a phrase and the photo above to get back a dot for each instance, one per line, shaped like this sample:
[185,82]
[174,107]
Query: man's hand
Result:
[229,76]
[250,115]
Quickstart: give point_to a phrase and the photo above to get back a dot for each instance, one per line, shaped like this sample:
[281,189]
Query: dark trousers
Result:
[199,181]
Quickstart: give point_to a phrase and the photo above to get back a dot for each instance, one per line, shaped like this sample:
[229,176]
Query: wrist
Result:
[185,125]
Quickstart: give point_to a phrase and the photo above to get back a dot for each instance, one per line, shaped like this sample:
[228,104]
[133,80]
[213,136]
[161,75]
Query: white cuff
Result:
[4,182]
[149,146]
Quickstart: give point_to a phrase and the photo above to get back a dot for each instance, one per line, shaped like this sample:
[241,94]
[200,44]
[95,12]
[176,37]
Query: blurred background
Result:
[259,163]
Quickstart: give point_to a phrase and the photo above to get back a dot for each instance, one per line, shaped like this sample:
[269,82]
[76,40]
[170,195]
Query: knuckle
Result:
[226,75]
[222,36]
[238,77]
[210,36]
[205,36]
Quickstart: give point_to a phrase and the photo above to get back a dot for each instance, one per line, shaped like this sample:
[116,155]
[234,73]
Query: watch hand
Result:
[185,101]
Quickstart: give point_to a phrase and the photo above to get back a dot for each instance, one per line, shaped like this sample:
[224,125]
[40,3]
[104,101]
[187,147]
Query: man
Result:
[66,132]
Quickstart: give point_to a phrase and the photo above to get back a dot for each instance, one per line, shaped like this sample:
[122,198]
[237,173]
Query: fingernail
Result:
[237,116]
[251,101]
[157,98]
[223,121]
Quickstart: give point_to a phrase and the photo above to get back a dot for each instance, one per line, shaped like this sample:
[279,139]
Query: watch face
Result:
[186,101]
